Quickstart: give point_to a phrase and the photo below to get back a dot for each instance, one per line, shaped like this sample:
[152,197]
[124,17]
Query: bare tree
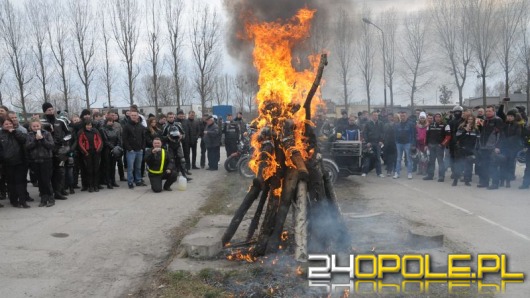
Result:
[414,53]
[2,81]
[365,54]
[445,94]
[483,23]
[59,37]
[239,98]
[166,91]
[174,12]
[14,36]
[222,89]
[153,41]
[205,34]
[524,52]
[126,32]
[510,18]
[454,37]
[37,12]
[83,26]
[390,22]
[107,75]
[320,34]
[344,53]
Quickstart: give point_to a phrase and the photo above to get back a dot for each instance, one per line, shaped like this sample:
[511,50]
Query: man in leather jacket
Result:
[160,166]
[232,133]
[59,129]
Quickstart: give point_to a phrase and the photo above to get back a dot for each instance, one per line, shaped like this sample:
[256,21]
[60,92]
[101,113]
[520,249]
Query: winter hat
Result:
[84,112]
[511,113]
[46,106]
[423,115]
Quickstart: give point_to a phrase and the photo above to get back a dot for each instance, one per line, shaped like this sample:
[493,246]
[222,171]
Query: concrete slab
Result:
[203,243]
[214,221]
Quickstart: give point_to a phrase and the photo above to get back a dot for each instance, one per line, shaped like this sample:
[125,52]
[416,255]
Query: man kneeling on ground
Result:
[160,167]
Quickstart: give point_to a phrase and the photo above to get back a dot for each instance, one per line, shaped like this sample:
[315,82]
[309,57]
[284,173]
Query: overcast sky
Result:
[228,63]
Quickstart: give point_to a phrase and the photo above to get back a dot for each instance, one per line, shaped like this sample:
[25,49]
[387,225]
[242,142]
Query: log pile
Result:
[302,184]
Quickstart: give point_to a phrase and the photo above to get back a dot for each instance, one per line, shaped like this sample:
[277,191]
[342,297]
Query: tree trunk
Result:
[368,96]
[460,94]
[391,88]
[484,101]
[65,88]
[22,100]
[345,90]
[87,96]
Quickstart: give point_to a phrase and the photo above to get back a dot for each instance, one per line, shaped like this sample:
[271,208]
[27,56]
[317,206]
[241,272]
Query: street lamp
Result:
[367,21]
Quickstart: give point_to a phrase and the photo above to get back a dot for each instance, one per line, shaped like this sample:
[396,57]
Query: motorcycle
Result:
[243,148]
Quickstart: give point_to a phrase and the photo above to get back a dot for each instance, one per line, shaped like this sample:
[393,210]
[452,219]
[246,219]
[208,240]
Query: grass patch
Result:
[184,284]
[225,195]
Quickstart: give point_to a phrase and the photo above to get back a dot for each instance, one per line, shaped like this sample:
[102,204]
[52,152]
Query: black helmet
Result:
[174,133]
[117,152]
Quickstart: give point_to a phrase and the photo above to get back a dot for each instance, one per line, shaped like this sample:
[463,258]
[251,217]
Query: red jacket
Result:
[84,145]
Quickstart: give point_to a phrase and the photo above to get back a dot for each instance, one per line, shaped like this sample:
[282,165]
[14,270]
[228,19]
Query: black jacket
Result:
[133,136]
[374,132]
[194,130]
[231,131]
[512,136]
[111,137]
[154,160]
[212,138]
[57,127]
[39,150]
[13,147]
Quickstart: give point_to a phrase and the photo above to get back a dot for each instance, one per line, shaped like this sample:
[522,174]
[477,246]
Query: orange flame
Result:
[299,270]
[281,87]
[238,255]
[284,236]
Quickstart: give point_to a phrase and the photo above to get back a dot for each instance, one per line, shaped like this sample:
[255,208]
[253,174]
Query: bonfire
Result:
[286,161]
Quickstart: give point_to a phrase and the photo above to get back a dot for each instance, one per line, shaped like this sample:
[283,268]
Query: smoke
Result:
[240,11]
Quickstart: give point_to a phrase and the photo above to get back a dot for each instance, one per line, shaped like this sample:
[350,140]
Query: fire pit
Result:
[286,158]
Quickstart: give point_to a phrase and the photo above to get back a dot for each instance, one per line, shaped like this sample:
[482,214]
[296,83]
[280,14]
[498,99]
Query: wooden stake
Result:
[301,222]
[251,196]
[288,195]
[255,220]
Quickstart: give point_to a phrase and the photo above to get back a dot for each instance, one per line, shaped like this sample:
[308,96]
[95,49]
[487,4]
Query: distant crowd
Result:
[486,141]
[56,149]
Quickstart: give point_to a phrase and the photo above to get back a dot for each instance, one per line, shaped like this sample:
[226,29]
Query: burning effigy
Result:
[286,159]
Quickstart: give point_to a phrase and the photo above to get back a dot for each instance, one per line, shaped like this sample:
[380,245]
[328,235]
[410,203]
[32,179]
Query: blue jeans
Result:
[134,163]
[400,149]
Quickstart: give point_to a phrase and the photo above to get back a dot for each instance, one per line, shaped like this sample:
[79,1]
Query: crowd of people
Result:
[56,150]
[486,141]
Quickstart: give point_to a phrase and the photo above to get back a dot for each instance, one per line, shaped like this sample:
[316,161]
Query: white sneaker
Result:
[363,175]
[396,176]
[409,176]
[382,175]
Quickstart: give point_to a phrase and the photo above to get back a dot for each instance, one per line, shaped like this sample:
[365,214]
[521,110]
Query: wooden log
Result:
[342,238]
[251,196]
[316,83]
[300,233]
[315,187]
[267,226]
[289,184]
[257,215]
